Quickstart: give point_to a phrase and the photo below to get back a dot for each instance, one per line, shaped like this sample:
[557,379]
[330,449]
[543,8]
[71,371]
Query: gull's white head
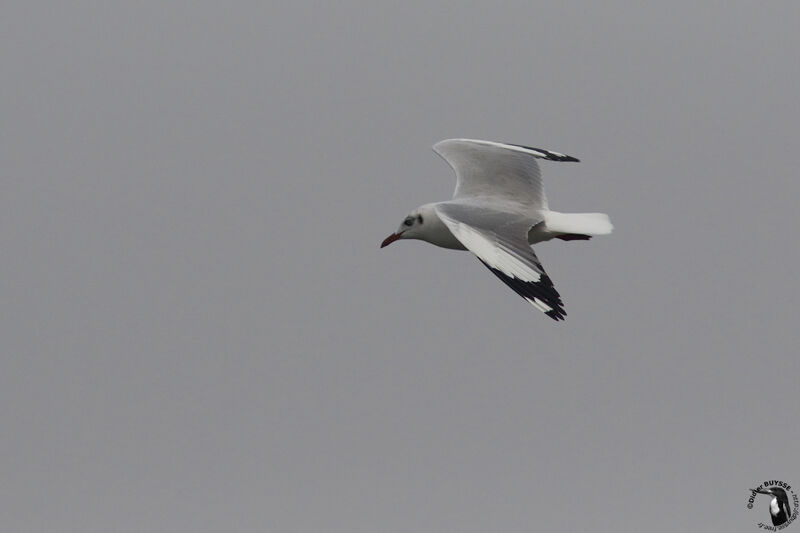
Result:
[412,227]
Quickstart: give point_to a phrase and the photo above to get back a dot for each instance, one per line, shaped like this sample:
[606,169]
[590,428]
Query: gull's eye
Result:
[419,219]
[408,221]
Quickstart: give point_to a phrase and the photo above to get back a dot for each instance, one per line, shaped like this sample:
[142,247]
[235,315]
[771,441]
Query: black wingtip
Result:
[550,156]
[543,290]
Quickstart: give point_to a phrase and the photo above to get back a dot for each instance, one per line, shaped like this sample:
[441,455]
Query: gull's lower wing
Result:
[500,240]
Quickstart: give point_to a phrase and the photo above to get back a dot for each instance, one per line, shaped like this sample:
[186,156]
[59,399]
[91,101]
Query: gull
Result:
[498,210]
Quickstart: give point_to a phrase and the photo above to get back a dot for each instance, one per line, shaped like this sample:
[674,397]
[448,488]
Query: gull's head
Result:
[412,226]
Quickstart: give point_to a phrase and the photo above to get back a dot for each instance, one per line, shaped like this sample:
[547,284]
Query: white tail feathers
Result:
[578,223]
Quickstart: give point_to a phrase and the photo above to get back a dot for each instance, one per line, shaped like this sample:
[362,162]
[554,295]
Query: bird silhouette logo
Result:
[783,503]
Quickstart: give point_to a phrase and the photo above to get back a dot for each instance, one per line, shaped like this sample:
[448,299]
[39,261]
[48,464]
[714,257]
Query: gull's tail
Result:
[587,224]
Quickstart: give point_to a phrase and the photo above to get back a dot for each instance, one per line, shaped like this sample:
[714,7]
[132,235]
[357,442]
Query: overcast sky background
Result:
[200,333]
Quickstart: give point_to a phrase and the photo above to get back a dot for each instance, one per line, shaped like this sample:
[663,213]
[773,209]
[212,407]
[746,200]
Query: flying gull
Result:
[498,210]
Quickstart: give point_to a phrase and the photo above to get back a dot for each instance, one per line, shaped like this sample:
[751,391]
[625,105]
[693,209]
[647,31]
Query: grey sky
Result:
[200,333]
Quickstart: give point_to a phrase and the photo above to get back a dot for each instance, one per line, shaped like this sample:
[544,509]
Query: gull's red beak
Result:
[390,239]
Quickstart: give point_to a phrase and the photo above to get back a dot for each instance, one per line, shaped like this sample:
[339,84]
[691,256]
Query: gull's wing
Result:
[485,168]
[500,240]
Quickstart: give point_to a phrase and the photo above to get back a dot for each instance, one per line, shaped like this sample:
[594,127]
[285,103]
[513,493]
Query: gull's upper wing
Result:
[485,168]
[500,240]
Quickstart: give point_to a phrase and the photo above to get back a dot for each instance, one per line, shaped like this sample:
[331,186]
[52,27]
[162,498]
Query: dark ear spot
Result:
[419,219]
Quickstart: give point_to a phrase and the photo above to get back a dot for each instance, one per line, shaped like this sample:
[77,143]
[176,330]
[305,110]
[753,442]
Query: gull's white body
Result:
[498,209]
[554,224]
